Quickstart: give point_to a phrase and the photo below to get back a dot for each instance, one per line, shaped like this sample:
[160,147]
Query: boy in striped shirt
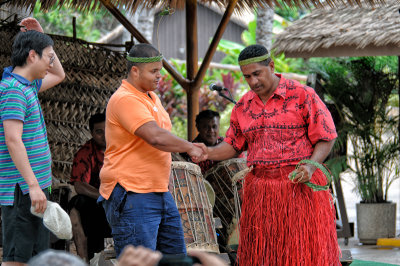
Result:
[25,160]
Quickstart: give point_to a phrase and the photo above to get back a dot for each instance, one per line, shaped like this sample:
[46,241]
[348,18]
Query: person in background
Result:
[25,160]
[207,124]
[88,219]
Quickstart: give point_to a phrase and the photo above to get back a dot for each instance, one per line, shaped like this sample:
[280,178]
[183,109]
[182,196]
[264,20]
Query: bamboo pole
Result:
[191,66]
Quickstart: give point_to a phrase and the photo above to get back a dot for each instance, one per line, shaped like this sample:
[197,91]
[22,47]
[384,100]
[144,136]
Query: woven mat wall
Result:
[92,74]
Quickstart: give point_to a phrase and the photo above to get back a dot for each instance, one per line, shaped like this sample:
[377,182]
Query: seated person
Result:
[89,223]
[207,123]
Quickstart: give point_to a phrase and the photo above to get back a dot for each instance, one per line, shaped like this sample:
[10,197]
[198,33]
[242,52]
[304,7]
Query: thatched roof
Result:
[345,31]
[241,4]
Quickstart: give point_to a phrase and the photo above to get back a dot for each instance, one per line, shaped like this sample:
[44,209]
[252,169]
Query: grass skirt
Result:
[284,223]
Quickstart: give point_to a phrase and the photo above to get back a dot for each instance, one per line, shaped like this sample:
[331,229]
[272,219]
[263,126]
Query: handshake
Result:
[199,152]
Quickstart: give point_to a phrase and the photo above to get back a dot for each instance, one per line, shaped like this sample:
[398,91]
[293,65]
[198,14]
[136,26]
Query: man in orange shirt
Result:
[137,161]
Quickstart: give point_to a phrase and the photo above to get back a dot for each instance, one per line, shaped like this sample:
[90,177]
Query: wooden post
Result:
[74,28]
[191,66]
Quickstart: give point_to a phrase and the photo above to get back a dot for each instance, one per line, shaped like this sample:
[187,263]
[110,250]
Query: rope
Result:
[145,59]
[253,60]
[321,167]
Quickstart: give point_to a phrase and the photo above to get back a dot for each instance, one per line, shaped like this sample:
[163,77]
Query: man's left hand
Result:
[30,24]
[303,174]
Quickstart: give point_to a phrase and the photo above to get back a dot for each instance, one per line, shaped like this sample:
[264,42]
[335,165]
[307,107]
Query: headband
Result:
[254,60]
[145,59]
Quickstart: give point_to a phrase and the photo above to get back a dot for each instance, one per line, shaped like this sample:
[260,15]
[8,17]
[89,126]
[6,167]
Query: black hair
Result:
[141,50]
[96,118]
[27,41]
[206,114]
[252,51]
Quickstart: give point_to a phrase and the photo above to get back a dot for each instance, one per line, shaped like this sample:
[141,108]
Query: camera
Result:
[177,260]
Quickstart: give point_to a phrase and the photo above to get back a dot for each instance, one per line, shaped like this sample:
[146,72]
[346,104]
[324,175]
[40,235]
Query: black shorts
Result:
[24,234]
[93,217]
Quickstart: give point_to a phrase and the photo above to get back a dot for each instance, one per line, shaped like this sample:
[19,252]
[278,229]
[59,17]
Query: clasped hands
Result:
[199,152]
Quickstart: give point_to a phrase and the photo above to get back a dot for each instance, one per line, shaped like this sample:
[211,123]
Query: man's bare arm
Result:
[56,73]
[221,152]
[13,137]
[166,141]
[86,189]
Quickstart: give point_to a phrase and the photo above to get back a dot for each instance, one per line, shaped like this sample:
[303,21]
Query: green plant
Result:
[173,96]
[360,89]
[89,25]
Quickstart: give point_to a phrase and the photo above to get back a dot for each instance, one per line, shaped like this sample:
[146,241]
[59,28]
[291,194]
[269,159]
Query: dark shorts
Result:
[93,220]
[146,219]
[24,234]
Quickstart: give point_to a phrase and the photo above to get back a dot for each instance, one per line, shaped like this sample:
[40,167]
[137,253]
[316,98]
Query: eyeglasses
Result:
[52,58]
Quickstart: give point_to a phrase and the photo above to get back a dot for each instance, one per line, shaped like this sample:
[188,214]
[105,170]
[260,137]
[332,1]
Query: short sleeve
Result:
[131,113]
[13,104]
[234,135]
[319,119]
[81,167]
[38,84]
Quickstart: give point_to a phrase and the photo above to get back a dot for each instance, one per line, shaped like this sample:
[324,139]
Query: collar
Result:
[281,89]
[8,73]
[132,89]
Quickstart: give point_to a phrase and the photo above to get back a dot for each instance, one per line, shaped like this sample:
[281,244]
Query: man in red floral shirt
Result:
[88,219]
[280,122]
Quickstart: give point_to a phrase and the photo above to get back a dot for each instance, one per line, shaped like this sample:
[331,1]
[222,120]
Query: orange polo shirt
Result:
[129,160]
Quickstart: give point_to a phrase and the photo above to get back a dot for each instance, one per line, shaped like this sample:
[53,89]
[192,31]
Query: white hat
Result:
[56,220]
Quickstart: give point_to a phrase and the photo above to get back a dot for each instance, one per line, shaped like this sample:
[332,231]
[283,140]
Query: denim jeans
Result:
[151,220]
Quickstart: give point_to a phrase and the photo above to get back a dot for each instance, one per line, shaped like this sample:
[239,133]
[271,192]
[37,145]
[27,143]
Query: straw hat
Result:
[56,220]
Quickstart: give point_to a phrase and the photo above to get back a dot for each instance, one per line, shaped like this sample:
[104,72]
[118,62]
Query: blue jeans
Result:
[151,220]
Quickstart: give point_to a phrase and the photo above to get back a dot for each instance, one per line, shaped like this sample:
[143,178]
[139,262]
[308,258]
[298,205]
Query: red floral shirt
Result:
[284,130]
[87,164]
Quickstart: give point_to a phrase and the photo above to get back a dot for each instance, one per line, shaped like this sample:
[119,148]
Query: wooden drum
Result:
[227,205]
[194,207]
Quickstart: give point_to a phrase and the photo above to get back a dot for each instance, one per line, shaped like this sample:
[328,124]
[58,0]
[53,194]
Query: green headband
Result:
[145,59]
[254,60]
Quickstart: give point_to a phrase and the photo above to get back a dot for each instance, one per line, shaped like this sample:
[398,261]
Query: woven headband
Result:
[145,59]
[254,60]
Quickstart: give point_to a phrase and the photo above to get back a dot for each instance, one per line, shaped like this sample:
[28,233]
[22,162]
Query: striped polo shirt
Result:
[19,100]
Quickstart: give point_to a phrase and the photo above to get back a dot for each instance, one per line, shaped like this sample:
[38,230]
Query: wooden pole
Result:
[214,43]
[128,25]
[74,28]
[191,66]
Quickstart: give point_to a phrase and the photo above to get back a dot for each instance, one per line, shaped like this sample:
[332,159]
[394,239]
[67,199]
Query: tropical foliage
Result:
[360,89]
[89,25]
[173,96]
